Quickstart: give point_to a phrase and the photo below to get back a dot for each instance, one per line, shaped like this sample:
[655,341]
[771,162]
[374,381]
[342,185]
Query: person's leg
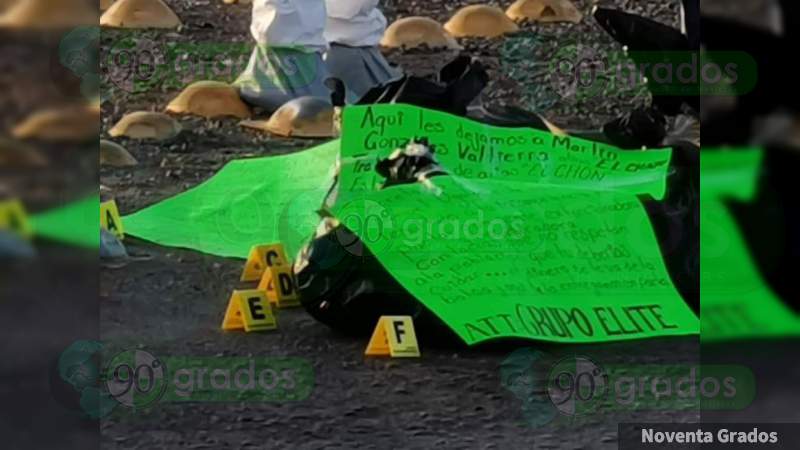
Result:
[360,68]
[276,75]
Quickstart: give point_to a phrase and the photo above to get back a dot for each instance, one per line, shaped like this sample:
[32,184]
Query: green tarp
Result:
[249,202]
[77,223]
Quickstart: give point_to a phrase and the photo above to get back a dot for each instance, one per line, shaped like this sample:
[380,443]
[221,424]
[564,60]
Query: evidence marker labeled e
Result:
[261,257]
[14,219]
[394,336]
[250,310]
[110,219]
[280,287]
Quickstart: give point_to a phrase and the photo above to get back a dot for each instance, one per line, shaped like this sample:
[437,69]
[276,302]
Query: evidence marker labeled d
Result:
[250,310]
[261,257]
[280,287]
[13,218]
[393,336]
[110,219]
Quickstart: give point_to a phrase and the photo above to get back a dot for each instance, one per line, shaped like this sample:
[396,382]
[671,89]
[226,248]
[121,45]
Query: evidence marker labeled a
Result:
[110,219]
[249,310]
[14,218]
[279,285]
[393,336]
[261,257]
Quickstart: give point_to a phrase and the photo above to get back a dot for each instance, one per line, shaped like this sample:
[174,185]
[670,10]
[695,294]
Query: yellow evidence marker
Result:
[282,292]
[261,257]
[14,218]
[110,219]
[250,310]
[394,336]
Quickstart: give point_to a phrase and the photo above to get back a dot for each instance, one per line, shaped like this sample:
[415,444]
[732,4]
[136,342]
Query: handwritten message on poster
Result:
[498,259]
[471,149]
[735,300]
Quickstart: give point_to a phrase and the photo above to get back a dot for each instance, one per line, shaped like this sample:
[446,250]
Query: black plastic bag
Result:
[340,281]
[456,90]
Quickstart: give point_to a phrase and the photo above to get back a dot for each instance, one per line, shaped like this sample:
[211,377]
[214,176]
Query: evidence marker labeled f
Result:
[393,336]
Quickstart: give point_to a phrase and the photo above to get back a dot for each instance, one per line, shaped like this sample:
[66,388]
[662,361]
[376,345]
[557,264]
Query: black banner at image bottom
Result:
[708,436]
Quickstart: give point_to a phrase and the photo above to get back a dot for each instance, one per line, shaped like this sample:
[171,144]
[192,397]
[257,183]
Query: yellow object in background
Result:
[480,21]
[209,99]
[139,14]
[411,32]
[14,218]
[308,117]
[146,125]
[47,14]
[544,11]
[110,219]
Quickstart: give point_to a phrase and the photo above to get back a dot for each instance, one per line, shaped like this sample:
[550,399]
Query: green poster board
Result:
[470,149]
[499,259]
